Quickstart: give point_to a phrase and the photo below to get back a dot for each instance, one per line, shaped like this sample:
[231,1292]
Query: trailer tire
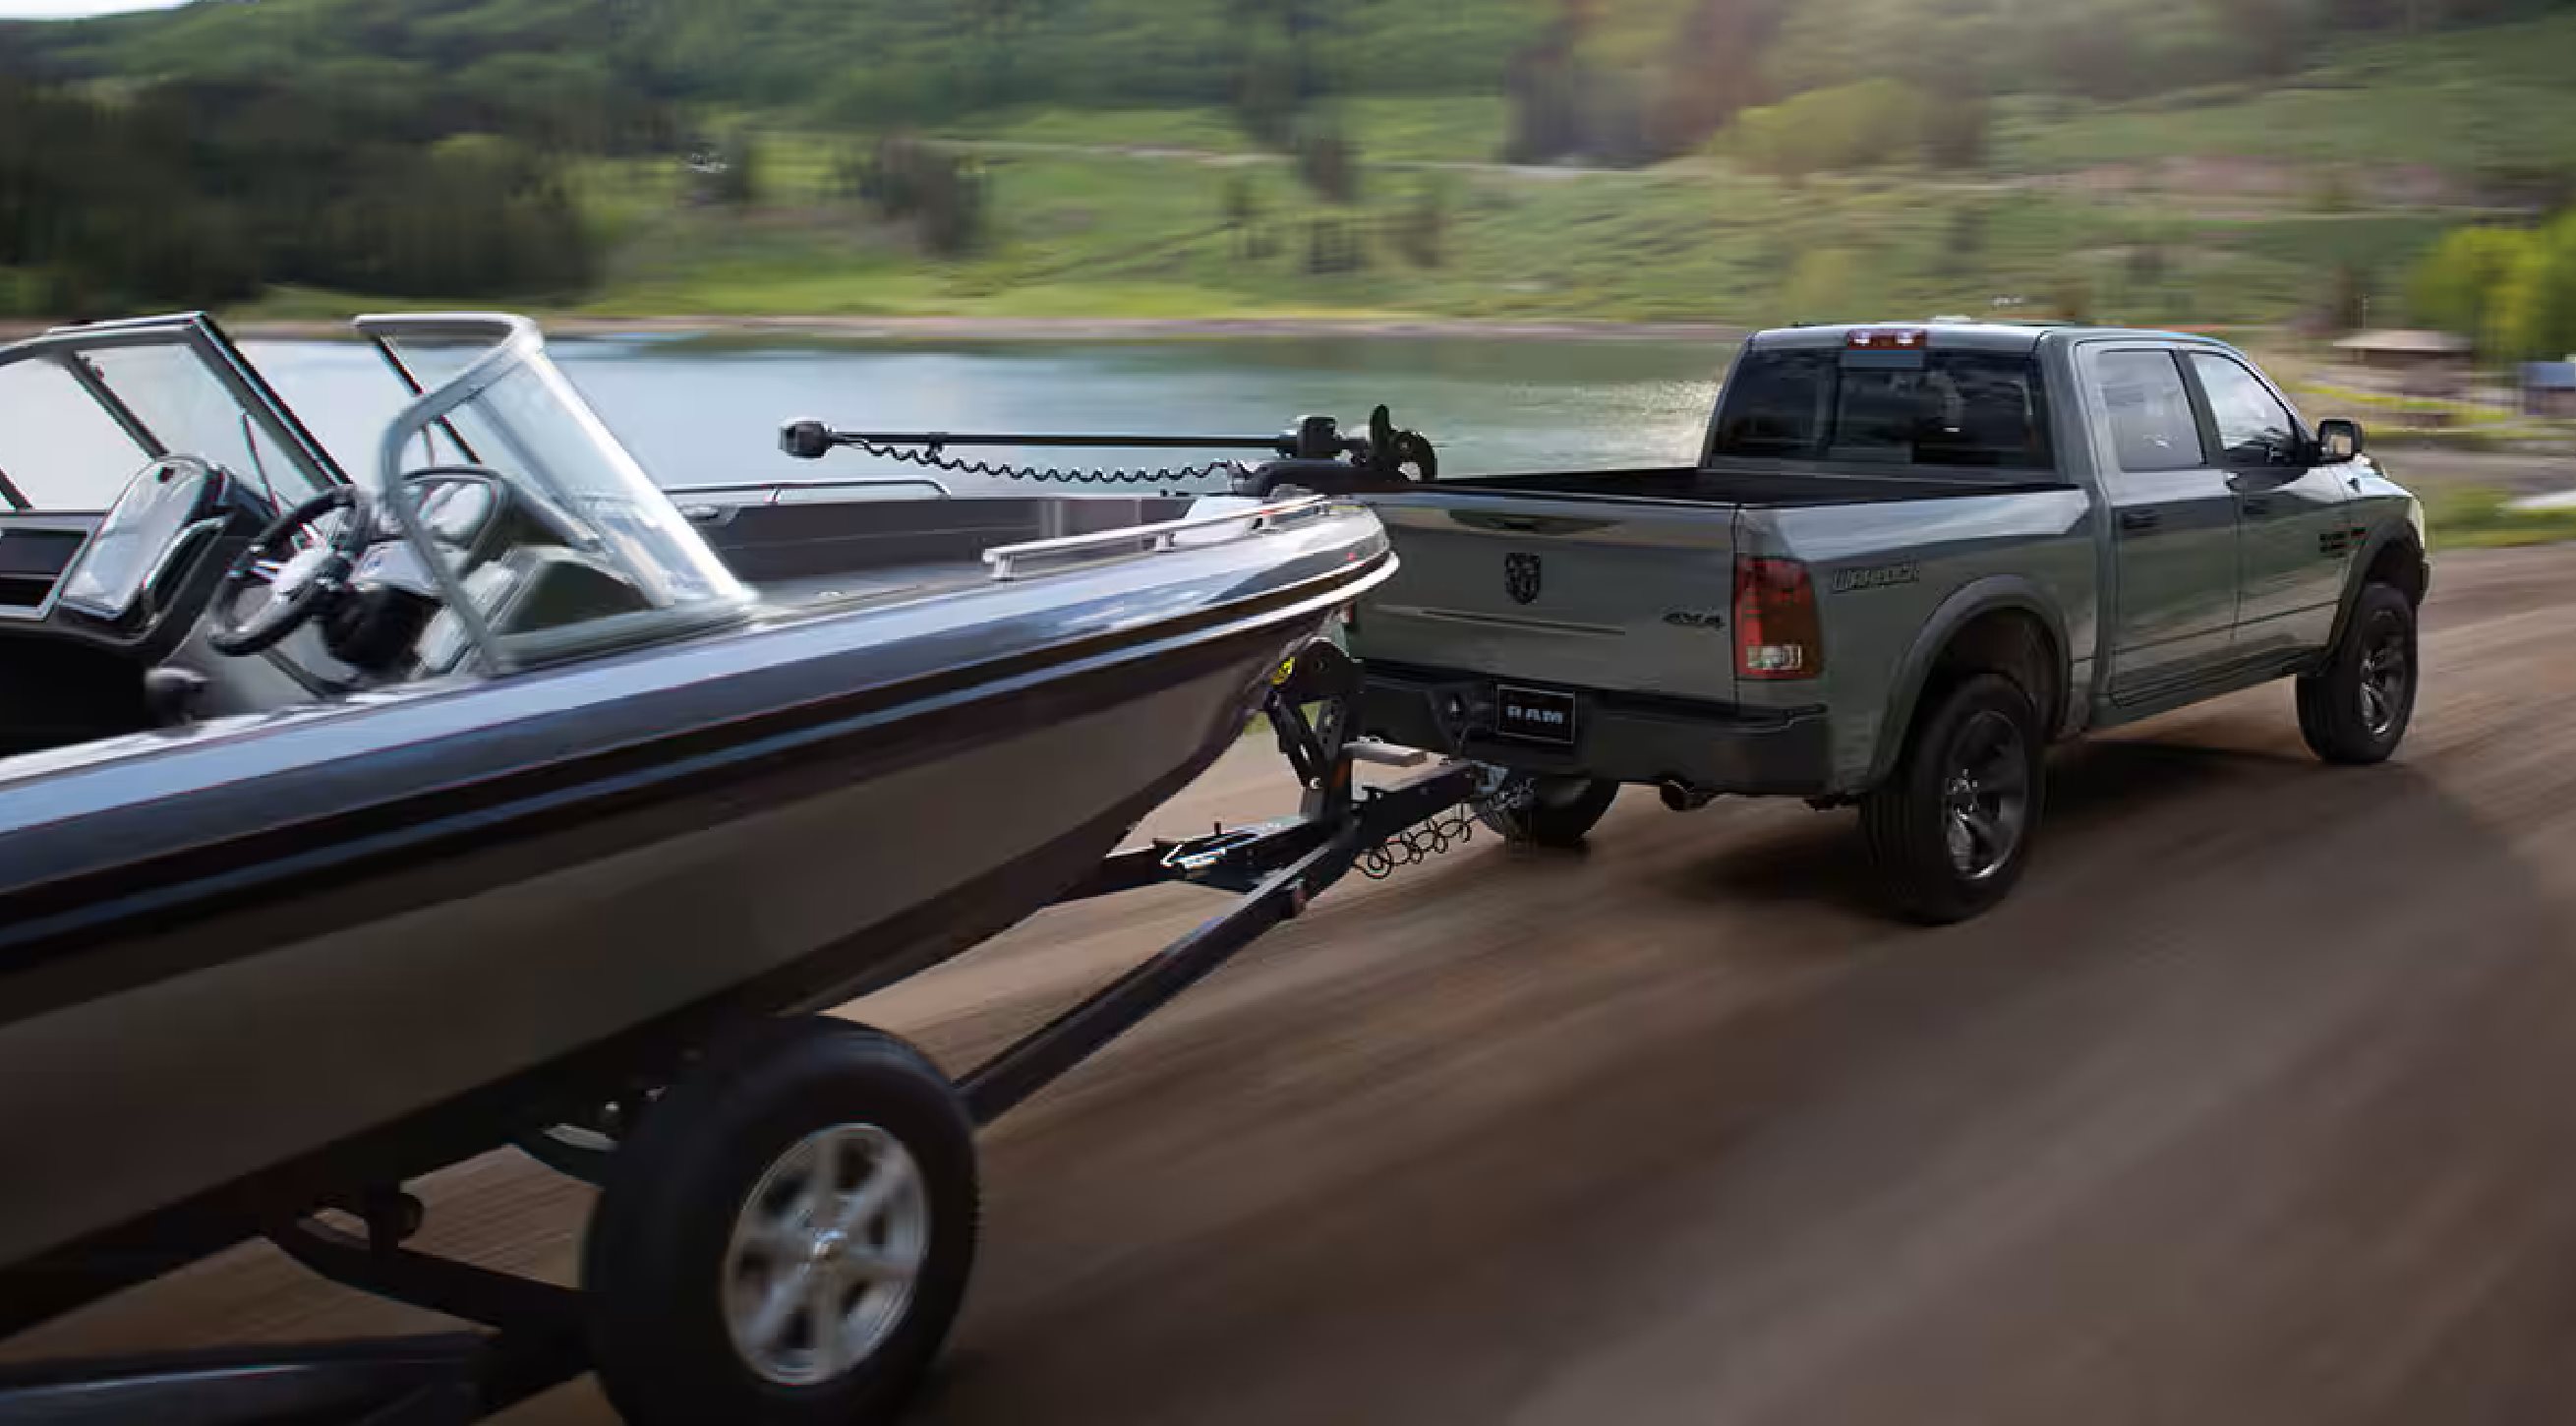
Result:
[756,1167]
[1951,829]
[1558,811]
[2356,709]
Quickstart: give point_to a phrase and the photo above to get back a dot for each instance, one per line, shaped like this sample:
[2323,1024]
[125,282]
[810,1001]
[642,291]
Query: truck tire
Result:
[2356,709]
[786,1236]
[1557,812]
[1952,827]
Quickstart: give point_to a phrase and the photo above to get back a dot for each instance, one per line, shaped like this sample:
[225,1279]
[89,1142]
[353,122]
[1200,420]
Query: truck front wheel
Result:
[1951,828]
[2356,709]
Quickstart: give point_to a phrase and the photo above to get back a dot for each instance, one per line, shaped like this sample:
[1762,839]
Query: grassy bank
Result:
[2224,206]
[2236,206]
[2477,517]
[1107,233]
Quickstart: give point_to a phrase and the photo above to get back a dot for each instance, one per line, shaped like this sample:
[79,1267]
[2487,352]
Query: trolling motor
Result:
[1312,455]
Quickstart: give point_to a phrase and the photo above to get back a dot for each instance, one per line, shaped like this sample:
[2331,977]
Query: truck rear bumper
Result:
[1621,736]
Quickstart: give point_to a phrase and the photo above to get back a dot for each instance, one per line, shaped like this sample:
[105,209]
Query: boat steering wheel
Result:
[301,585]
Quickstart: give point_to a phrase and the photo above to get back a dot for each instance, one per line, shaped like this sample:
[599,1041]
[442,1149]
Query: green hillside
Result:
[2211,161]
[841,60]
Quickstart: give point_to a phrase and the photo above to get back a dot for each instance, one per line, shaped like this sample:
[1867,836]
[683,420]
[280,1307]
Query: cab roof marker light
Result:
[1887,339]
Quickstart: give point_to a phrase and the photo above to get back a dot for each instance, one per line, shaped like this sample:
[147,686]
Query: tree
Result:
[199,192]
[2533,315]
[1266,98]
[1710,72]
[2347,304]
[1955,131]
[1333,246]
[1421,230]
[946,196]
[1328,161]
[2071,297]
[2271,35]
[1247,218]
[1825,285]
[2457,286]
[1850,126]
[996,28]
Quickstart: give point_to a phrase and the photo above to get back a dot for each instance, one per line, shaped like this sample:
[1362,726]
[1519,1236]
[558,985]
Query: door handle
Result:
[2257,505]
[2140,519]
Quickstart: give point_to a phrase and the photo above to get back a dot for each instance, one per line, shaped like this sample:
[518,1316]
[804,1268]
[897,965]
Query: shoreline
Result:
[1025,329]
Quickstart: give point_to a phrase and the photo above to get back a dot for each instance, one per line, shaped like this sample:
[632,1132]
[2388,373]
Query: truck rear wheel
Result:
[1551,811]
[1951,828]
[2356,709]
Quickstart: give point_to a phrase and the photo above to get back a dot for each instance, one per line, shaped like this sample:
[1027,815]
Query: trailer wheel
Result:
[786,1237]
[1553,812]
[1951,828]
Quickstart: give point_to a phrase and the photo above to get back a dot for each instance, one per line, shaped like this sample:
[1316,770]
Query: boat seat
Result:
[552,587]
[527,589]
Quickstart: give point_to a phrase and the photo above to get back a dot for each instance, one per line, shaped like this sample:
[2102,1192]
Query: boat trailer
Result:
[540,1333]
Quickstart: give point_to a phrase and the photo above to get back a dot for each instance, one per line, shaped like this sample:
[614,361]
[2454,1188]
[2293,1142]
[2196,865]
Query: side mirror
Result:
[2338,440]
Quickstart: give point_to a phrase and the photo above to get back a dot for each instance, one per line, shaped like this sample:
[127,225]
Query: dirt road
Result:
[2252,1106]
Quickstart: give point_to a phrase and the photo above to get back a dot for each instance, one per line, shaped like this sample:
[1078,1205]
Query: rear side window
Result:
[2152,426]
[1981,410]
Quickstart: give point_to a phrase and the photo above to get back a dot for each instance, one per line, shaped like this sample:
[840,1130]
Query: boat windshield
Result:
[572,547]
[90,405]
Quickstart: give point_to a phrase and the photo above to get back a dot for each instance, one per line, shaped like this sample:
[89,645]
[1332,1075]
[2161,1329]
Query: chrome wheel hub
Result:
[2385,670]
[824,1254]
[1985,799]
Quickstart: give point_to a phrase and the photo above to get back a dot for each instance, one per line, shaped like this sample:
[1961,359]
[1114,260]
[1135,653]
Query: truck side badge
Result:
[1521,577]
[1884,576]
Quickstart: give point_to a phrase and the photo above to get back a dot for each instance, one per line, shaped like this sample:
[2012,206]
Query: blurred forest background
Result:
[2317,164]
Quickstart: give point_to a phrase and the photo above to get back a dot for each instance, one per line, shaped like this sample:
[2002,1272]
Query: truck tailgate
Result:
[1631,595]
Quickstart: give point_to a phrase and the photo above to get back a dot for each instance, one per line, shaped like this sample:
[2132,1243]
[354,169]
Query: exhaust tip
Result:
[1680,796]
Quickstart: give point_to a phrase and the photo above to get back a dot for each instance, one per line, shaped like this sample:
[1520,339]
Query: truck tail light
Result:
[1777,632]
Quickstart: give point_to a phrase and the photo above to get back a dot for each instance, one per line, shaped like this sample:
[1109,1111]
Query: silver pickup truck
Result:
[1909,558]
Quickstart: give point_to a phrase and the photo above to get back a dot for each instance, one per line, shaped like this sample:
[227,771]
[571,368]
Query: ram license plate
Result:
[1535,715]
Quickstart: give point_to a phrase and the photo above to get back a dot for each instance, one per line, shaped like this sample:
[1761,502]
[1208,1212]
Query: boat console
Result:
[174,544]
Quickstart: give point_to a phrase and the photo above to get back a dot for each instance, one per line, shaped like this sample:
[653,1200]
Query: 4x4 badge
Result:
[1521,577]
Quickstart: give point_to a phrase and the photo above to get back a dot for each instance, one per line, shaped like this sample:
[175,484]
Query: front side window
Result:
[2254,428]
[2152,427]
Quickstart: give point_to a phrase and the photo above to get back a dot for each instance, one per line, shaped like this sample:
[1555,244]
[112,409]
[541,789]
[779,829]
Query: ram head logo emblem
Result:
[1521,577]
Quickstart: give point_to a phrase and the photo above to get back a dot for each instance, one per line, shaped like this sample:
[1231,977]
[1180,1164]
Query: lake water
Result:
[705,413]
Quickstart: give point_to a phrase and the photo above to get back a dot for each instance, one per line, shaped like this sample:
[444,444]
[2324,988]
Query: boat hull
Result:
[266,1047]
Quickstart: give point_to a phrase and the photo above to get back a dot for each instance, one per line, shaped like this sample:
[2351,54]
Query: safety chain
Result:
[1452,827]
[930,458]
